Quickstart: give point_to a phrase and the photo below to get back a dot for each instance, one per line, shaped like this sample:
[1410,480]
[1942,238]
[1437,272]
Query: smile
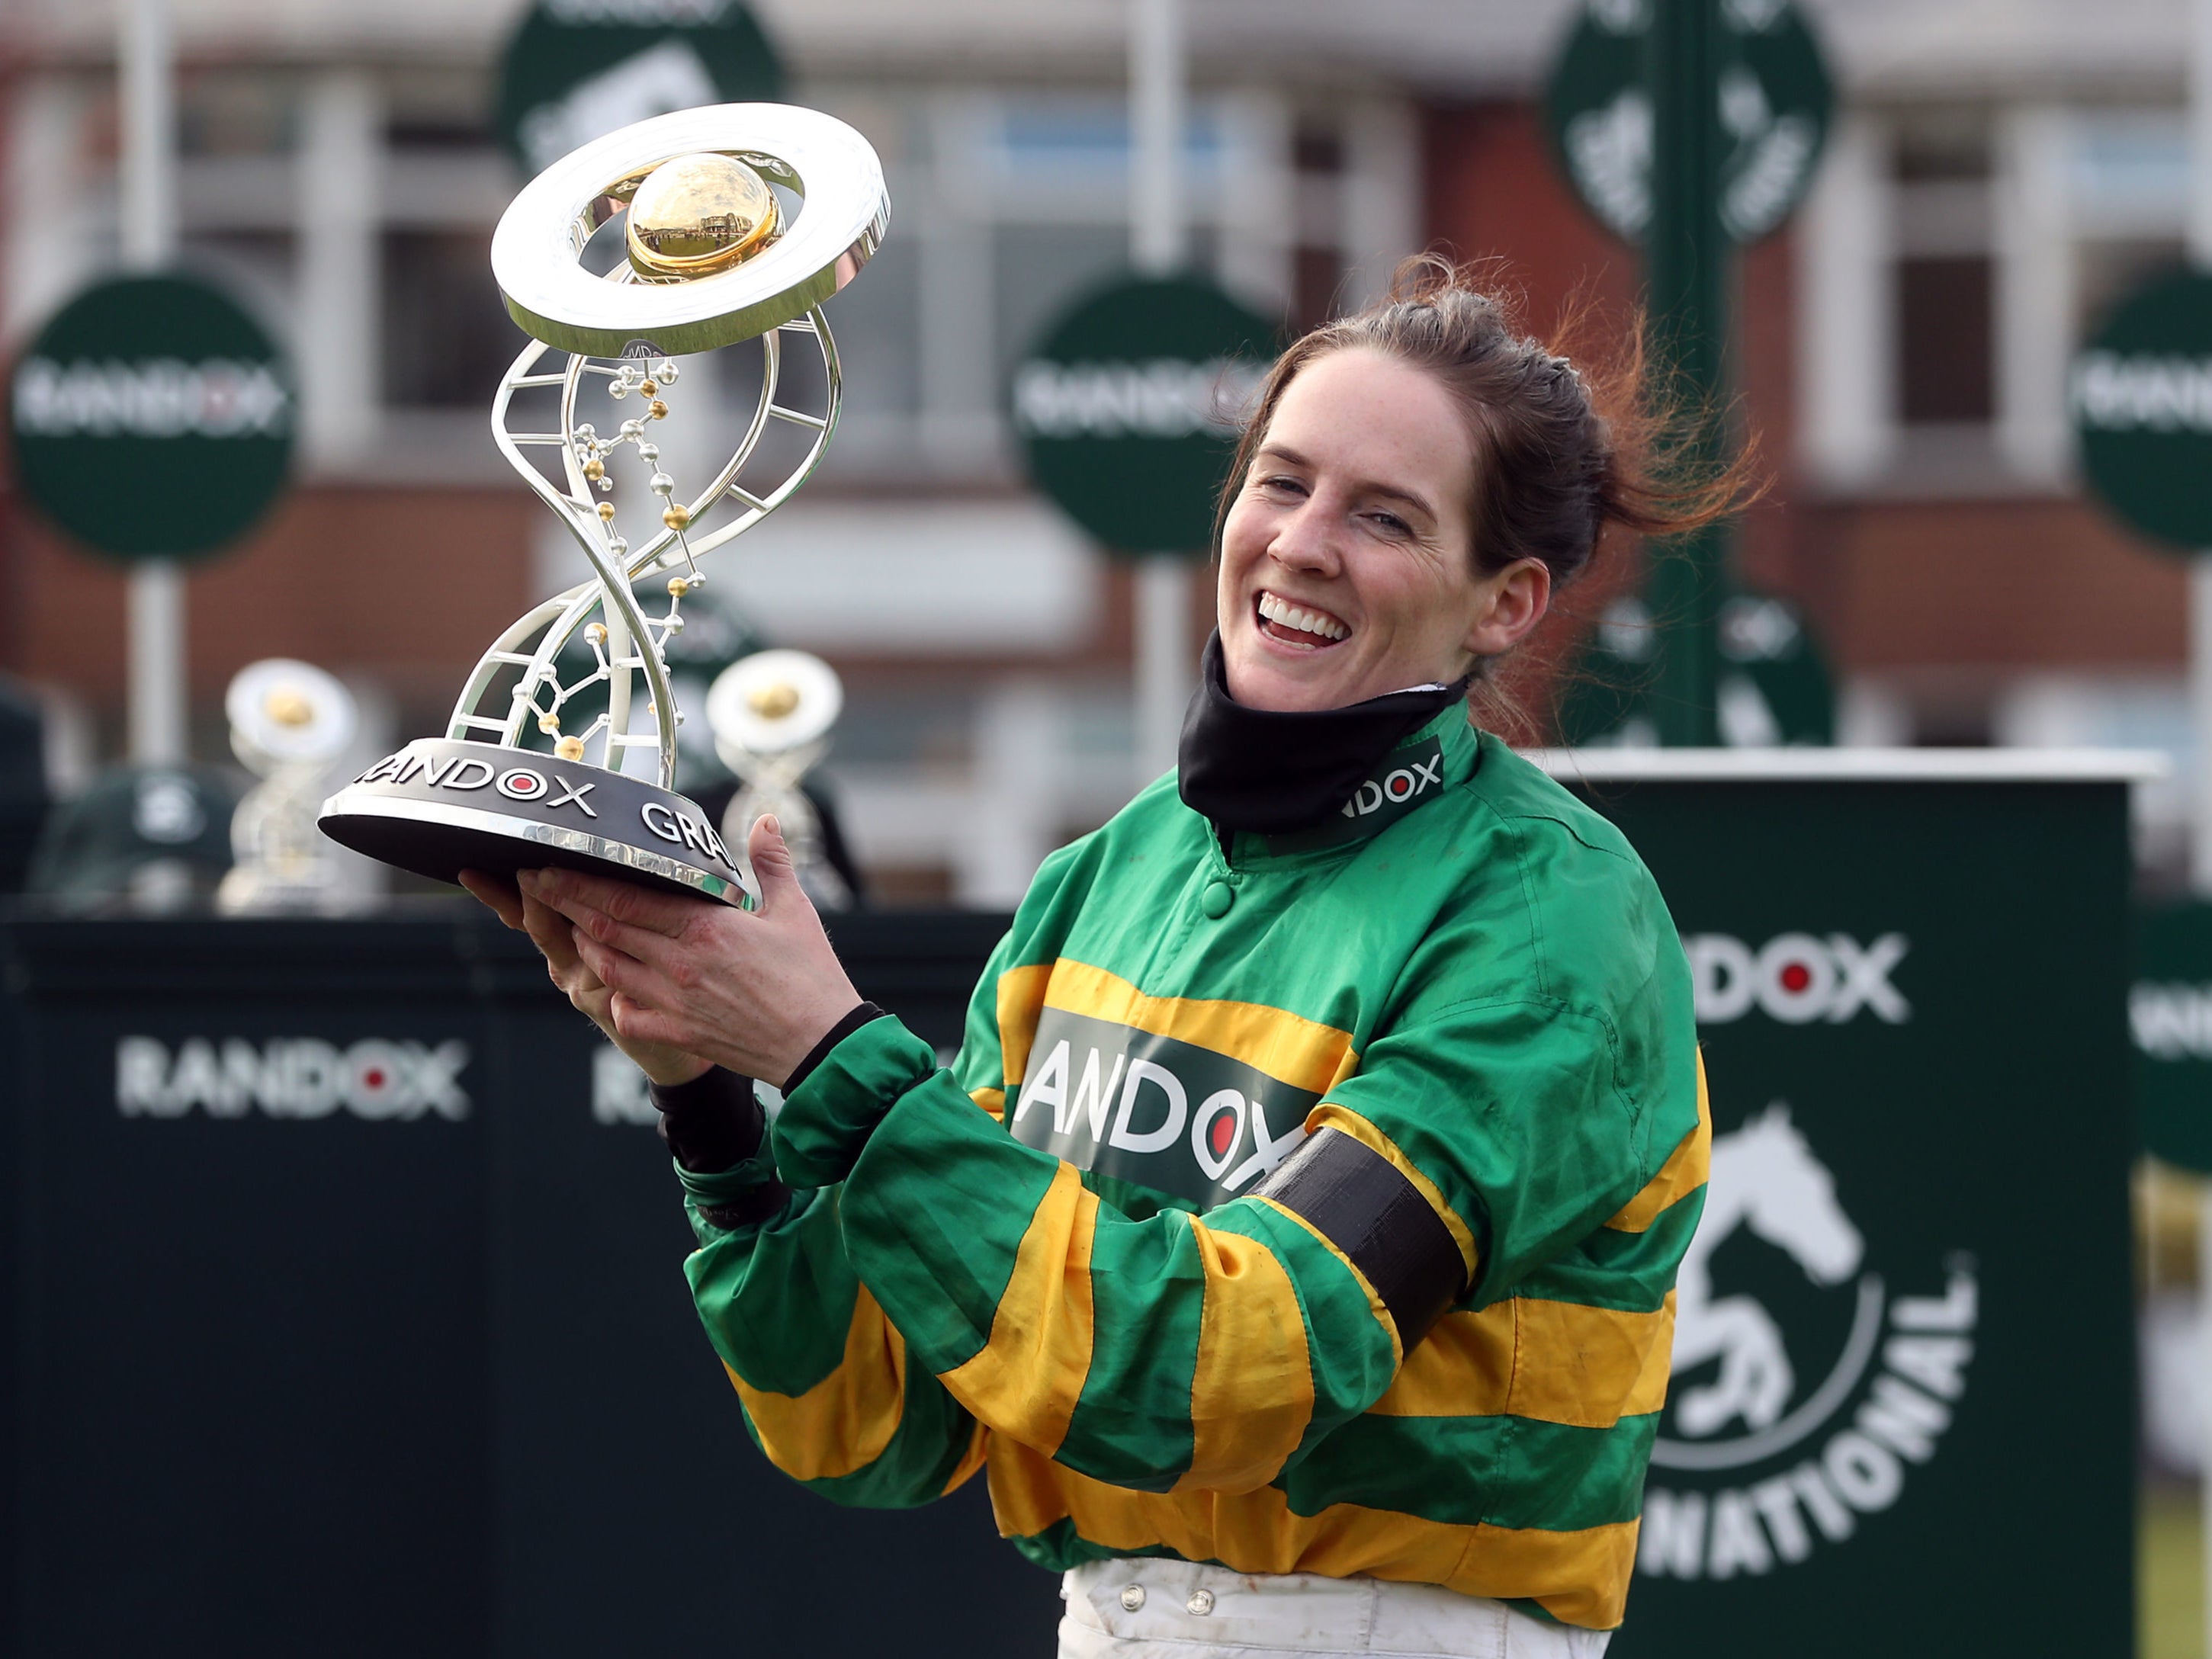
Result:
[1293,624]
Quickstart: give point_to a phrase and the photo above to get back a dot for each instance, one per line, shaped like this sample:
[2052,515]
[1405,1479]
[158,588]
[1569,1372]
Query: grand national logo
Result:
[1808,1388]
[1168,1116]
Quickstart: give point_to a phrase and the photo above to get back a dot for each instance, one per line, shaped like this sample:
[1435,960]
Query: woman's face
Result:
[1348,566]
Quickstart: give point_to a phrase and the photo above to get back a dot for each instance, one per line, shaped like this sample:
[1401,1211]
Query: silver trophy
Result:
[288,722]
[770,714]
[720,227]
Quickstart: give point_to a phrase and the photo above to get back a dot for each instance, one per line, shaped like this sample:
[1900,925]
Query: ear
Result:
[1510,603]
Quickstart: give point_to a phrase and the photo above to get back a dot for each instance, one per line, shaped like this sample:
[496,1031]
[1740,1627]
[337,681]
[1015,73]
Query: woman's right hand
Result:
[556,938]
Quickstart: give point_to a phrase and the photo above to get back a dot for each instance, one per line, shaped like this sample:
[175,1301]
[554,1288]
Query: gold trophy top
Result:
[698,215]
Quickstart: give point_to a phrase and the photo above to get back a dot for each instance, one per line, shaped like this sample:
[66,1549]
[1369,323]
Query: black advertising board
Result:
[351,1315]
[1913,1268]
[253,1399]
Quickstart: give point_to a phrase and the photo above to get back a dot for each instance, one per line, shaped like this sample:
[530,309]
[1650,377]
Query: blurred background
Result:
[1997,173]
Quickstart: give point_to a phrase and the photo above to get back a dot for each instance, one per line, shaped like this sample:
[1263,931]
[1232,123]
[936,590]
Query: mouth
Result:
[1302,626]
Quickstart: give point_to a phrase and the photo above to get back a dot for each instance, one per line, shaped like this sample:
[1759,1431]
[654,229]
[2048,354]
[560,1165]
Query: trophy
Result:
[288,722]
[722,227]
[771,714]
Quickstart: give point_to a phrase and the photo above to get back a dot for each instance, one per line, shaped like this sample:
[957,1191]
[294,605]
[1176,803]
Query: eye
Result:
[1280,483]
[1390,524]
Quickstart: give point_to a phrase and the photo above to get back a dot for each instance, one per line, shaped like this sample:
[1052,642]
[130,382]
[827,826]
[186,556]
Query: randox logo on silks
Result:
[1406,778]
[1808,1387]
[1166,1116]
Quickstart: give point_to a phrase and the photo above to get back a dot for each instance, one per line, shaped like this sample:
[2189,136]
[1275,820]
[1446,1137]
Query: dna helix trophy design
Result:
[728,225]
[290,721]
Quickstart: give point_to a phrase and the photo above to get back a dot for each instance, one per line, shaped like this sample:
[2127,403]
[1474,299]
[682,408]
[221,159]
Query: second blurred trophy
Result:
[771,714]
[692,231]
[290,721]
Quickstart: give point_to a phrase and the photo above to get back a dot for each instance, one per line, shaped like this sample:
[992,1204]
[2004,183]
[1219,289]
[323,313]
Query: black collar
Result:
[1272,772]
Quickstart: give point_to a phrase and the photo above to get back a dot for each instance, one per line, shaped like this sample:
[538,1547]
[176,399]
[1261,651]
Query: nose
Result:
[1306,541]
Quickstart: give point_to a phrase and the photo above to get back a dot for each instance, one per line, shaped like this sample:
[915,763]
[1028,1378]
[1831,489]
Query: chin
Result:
[1257,680]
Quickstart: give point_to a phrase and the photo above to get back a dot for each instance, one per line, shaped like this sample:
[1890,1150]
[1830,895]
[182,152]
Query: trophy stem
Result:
[632,642]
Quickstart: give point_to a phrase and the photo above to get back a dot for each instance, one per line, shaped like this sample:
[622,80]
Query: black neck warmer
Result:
[1275,772]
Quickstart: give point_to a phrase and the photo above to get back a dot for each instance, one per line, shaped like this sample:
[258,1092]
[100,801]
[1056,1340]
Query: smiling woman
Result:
[1292,1238]
[1416,483]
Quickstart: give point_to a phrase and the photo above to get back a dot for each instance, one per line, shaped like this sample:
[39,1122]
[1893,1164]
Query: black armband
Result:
[1361,1203]
[712,1123]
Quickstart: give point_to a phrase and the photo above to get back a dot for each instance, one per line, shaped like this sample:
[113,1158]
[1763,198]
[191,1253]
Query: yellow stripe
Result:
[1301,1053]
[1682,1174]
[1026,1379]
[1251,1394]
[979,1449]
[1581,1577]
[1329,1114]
[1021,999]
[992,1101]
[844,1421]
[1374,1301]
[1553,1361]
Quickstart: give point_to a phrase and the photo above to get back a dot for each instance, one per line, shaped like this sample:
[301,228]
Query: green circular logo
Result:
[578,70]
[152,417]
[2141,399]
[1129,406]
[1774,689]
[1775,100]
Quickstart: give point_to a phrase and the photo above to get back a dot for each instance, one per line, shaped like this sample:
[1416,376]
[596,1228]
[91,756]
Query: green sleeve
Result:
[821,1374]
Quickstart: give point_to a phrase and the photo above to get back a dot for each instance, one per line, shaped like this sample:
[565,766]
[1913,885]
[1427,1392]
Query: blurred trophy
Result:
[288,722]
[722,227]
[771,714]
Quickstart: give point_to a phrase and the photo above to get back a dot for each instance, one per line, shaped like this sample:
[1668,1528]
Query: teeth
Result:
[1274,610]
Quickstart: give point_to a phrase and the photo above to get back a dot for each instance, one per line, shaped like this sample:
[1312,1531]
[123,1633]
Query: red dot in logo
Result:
[1221,1131]
[372,1077]
[1795,976]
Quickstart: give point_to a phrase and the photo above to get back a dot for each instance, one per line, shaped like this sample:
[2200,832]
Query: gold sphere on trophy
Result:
[698,215]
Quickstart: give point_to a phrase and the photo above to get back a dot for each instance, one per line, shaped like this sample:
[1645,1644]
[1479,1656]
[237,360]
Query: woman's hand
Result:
[753,991]
[556,938]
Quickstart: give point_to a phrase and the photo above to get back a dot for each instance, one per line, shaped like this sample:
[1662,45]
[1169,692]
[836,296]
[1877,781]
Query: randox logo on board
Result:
[380,1079]
[1165,398]
[159,398]
[2172,1021]
[1797,978]
[1803,1403]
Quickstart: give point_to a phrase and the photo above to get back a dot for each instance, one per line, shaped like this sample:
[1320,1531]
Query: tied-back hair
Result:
[1563,452]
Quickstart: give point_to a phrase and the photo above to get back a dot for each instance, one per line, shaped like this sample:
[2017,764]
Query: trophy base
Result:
[442,805]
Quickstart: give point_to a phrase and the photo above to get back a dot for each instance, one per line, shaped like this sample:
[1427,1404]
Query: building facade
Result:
[1998,172]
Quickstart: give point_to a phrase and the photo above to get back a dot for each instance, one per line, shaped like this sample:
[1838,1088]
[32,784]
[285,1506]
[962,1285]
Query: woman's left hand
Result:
[753,991]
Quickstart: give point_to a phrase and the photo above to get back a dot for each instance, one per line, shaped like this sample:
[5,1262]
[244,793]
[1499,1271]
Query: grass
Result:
[2170,1578]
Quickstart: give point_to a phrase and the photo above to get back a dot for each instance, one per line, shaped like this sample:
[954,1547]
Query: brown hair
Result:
[1562,452]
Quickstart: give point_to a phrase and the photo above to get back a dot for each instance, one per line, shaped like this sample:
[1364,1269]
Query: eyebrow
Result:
[1364,486]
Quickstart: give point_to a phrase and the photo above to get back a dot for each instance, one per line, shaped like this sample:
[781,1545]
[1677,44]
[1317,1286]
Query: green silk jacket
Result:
[1070,1258]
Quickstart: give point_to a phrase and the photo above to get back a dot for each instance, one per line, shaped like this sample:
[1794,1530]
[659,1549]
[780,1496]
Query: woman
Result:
[1291,1239]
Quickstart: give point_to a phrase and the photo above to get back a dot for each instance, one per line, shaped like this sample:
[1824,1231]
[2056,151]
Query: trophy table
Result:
[726,226]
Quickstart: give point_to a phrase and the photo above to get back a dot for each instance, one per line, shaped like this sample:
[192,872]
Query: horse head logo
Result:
[1764,1177]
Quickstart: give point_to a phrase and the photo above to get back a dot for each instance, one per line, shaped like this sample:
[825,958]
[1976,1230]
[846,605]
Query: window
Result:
[1943,283]
[1944,361]
[446,336]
